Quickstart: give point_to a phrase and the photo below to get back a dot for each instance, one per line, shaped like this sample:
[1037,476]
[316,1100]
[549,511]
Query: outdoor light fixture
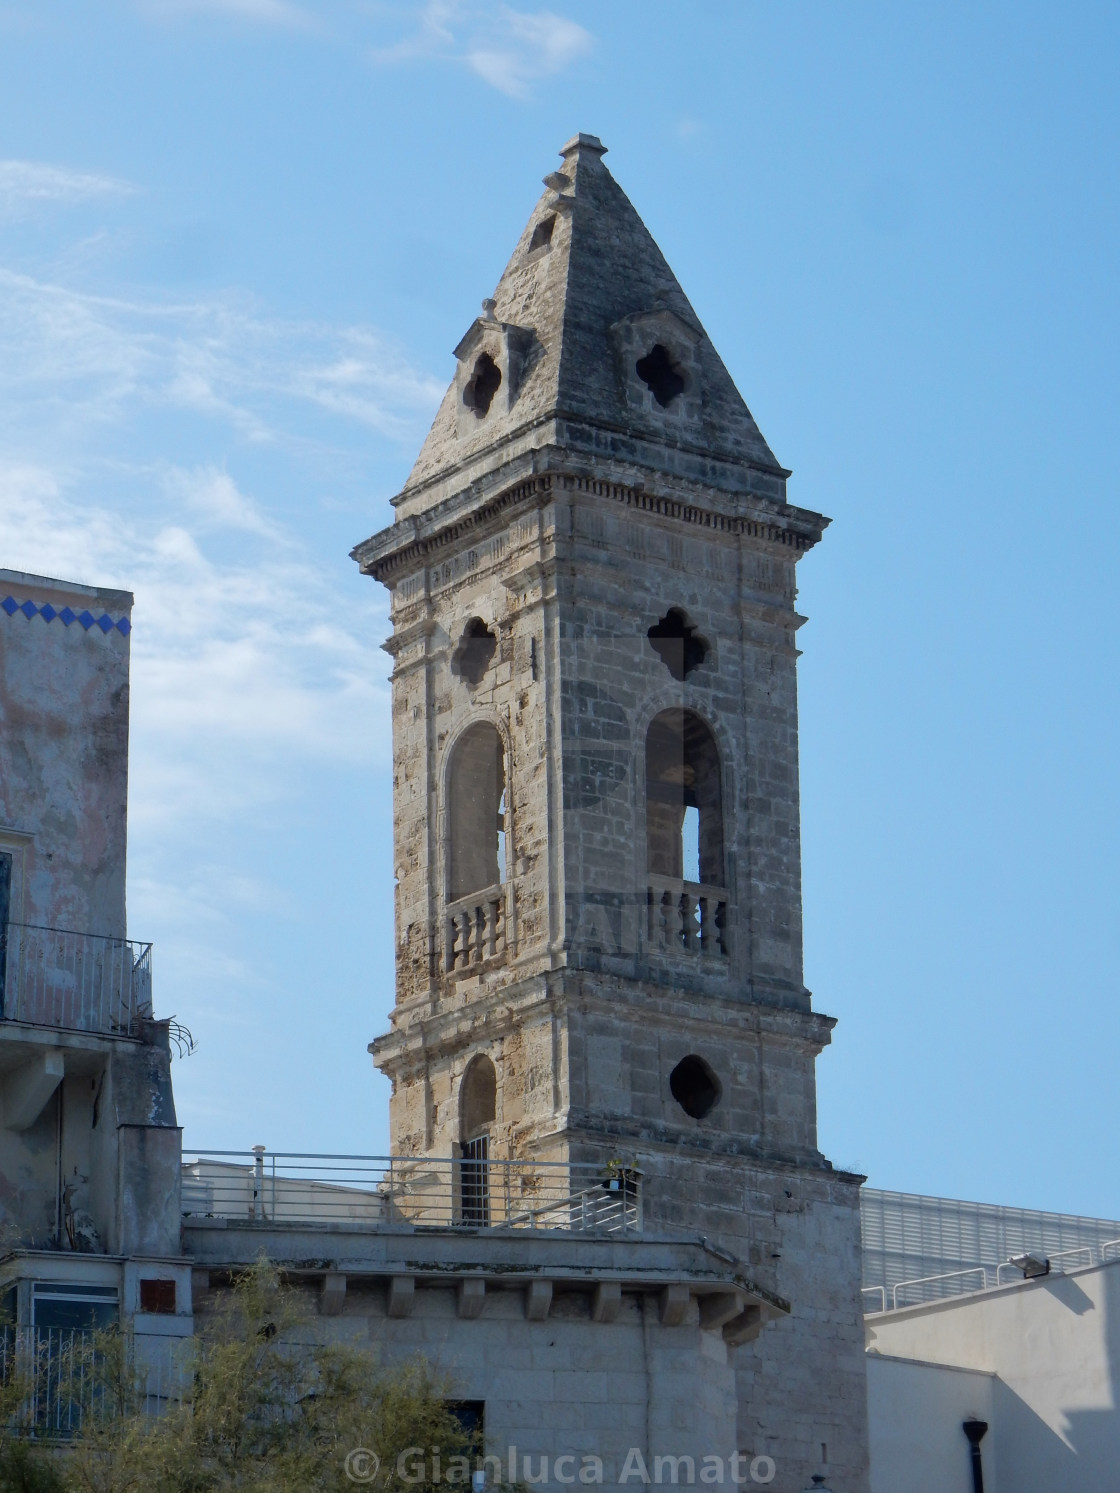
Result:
[817,1484]
[1031,1266]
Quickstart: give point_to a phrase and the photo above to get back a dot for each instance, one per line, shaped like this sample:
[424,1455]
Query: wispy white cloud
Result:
[101,359]
[243,668]
[28,183]
[524,48]
[258,12]
[214,497]
[509,49]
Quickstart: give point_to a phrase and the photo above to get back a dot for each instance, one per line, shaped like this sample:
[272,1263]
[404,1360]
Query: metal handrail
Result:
[62,978]
[881,1291]
[305,1188]
[1085,1250]
[1051,1261]
[1082,1249]
[928,1280]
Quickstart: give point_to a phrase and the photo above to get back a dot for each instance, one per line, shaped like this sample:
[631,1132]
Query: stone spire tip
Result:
[583,142]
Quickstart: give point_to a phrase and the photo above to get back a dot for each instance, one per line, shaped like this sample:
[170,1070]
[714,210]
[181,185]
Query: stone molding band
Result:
[414,551]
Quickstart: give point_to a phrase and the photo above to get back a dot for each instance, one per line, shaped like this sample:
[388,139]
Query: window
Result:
[695,1086]
[676,643]
[476,788]
[542,233]
[56,1304]
[660,375]
[478,1099]
[483,384]
[471,1415]
[684,809]
[158,1296]
[476,648]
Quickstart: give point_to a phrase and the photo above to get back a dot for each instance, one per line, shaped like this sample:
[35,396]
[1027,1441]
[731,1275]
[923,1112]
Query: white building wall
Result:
[915,1412]
[1054,1345]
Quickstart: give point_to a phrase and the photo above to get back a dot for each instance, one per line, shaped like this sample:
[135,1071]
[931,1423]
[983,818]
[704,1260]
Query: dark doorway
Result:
[478,1102]
[475,1182]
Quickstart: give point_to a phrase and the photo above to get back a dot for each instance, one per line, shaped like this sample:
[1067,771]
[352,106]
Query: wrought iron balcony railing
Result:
[276,1187]
[57,1378]
[76,981]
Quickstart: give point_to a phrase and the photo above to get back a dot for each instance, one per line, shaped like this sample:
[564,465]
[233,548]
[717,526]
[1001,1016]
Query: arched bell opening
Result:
[684,835]
[478,1108]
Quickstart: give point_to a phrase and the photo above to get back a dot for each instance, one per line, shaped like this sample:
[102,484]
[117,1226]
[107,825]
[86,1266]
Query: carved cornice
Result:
[386,561]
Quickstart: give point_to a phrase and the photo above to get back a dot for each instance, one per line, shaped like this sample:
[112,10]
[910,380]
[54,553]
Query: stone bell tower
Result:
[592,571]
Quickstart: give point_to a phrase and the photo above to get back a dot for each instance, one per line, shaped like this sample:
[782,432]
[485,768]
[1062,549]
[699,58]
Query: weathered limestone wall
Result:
[564,1387]
[64,753]
[564,520]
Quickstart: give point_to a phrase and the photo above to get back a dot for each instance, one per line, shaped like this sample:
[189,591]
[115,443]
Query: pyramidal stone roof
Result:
[589,343]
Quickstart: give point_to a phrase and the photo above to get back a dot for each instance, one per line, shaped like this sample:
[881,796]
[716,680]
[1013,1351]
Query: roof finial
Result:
[584,142]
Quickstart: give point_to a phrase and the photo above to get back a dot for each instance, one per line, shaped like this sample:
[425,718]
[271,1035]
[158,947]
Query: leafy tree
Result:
[264,1406]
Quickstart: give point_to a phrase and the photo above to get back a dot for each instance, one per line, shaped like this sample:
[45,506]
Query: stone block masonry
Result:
[596,816]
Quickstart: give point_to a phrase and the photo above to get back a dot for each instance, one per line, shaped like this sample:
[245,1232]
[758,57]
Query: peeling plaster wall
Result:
[66,1181]
[64,755]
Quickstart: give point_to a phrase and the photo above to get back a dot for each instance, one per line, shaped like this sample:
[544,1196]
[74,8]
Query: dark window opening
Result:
[483,384]
[695,1087]
[476,648]
[676,643]
[474,1183]
[478,1102]
[478,1099]
[73,1308]
[476,788]
[158,1296]
[542,233]
[683,774]
[471,1415]
[660,376]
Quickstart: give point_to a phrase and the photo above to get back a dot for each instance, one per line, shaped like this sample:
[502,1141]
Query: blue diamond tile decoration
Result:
[66,616]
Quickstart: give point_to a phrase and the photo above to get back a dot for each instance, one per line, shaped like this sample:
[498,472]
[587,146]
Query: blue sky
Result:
[238,239]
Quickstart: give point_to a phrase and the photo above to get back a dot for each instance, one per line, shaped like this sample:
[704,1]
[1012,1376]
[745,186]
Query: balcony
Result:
[475,928]
[66,1376]
[687,918]
[53,977]
[372,1192]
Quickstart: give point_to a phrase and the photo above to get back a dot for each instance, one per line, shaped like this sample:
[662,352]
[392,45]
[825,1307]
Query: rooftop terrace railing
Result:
[83,982]
[974,1278]
[369,1192]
